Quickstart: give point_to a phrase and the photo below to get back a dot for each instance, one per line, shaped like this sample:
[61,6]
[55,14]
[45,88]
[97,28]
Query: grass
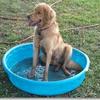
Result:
[70,13]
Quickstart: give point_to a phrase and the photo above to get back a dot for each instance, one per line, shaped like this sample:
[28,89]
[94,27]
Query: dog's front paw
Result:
[31,74]
[45,76]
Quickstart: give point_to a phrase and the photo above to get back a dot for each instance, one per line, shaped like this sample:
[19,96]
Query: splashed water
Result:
[24,67]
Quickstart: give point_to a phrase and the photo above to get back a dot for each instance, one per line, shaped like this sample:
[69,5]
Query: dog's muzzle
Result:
[31,22]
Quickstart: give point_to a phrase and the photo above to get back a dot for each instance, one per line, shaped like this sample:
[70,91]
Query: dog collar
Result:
[42,29]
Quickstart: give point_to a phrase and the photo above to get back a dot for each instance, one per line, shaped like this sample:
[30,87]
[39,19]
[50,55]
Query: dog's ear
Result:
[49,14]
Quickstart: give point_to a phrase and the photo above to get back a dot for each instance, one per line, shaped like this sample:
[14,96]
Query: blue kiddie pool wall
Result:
[26,50]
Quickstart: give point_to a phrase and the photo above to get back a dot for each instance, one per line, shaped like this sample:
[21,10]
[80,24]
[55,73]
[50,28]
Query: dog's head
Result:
[41,15]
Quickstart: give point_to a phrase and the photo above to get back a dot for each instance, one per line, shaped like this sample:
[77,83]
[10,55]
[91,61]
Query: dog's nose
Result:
[28,17]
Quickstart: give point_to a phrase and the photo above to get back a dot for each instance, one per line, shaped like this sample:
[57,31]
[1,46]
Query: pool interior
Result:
[23,67]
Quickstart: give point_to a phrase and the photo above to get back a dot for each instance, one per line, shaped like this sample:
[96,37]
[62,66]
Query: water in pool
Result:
[24,67]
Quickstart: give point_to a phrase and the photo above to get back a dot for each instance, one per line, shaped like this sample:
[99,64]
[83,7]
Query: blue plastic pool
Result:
[26,50]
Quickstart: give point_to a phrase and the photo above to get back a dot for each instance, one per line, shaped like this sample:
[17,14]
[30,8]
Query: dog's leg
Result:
[74,66]
[49,56]
[68,52]
[37,50]
[65,70]
[48,45]
[36,56]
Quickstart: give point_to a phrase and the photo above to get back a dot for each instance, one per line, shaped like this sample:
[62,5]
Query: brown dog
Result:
[47,36]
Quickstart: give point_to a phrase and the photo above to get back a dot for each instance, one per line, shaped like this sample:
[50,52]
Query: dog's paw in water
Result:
[73,73]
[31,74]
[37,74]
